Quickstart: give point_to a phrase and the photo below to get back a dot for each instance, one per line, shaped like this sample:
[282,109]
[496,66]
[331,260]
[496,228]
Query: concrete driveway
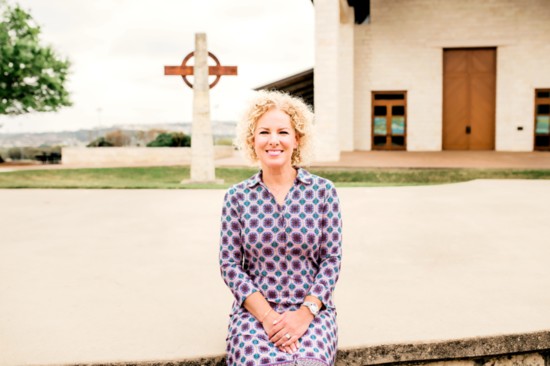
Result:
[128,275]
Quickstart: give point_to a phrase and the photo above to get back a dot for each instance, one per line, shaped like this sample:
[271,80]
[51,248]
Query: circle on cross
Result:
[188,57]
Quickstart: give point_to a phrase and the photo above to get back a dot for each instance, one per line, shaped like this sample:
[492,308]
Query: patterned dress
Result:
[286,252]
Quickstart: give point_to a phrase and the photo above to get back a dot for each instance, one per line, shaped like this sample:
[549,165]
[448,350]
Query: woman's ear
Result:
[297,142]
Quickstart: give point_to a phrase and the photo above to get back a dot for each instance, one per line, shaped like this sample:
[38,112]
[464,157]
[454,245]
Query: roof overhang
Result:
[361,9]
[300,85]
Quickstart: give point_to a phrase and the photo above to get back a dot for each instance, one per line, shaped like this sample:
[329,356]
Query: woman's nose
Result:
[273,139]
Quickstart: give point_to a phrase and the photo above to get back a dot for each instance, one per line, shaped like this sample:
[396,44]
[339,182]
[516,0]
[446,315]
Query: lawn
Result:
[170,177]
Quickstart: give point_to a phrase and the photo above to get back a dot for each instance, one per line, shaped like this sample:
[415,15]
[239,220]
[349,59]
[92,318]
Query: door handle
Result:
[468,130]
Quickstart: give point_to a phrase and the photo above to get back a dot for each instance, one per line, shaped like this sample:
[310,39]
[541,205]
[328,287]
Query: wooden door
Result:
[469,87]
[389,120]
[542,119]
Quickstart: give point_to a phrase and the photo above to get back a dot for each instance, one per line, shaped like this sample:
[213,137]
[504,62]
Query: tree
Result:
[32,76]
[118,138]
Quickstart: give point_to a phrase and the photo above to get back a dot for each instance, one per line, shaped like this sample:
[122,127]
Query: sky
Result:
[118,50]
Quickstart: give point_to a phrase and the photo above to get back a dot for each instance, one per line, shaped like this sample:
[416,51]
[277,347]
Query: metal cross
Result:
[185,70]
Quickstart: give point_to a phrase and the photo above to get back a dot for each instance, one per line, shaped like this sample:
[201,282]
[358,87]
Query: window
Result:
[542,119]
[389,126]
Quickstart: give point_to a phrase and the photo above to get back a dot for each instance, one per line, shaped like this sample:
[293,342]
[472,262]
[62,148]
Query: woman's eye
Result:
[284,132]
[263,133]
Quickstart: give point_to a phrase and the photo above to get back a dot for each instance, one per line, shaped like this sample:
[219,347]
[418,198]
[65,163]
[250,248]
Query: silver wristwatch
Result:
[313,308]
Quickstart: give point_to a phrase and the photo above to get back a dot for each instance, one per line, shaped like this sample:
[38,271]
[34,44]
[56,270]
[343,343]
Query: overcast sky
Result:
[118,49]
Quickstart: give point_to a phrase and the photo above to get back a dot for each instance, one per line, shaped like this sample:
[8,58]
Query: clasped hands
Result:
[286,329]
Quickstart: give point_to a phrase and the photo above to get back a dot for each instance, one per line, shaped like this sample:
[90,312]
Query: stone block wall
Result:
[105,156]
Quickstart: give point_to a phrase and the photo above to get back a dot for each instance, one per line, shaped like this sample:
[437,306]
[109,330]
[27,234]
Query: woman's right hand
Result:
[268,324]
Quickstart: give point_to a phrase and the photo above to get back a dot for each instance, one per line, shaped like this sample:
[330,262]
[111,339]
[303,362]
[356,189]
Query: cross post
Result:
[202,143]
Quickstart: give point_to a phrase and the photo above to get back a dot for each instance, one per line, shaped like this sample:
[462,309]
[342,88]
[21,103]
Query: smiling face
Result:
[275,139]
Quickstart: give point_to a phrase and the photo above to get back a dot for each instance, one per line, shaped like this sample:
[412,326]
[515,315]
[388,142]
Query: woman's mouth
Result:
[274,152]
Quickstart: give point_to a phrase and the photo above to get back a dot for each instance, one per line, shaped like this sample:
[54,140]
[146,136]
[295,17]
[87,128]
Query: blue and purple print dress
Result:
[286,252]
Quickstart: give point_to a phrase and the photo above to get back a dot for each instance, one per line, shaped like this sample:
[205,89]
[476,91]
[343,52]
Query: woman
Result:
[280,246]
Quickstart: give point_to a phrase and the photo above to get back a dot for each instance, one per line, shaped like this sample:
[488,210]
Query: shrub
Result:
[15,153]
[50,154]
[30,152]
[45,154]
[171,139]
[144,137]
[181,140]
[100,142]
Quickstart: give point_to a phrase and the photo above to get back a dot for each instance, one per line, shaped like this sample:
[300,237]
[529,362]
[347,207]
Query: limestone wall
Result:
[402,49]
[327,77]
[104,156]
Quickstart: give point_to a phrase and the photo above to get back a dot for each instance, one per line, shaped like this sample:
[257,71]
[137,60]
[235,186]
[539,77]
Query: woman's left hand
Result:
[290,327]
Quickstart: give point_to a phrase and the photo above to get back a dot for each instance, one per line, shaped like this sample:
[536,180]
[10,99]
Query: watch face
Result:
[313,308]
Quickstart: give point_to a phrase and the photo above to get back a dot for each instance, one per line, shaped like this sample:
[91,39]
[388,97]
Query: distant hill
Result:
[220,129]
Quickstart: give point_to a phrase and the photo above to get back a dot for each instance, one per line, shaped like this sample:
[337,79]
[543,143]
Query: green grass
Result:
[170,177]
[417,176]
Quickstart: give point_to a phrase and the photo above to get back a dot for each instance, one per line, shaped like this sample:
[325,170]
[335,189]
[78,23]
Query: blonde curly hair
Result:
[301,119]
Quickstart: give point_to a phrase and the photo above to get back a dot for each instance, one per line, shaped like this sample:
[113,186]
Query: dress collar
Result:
[302,176]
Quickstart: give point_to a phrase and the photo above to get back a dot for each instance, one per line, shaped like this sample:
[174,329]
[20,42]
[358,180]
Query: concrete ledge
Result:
[529,349]
[468,348]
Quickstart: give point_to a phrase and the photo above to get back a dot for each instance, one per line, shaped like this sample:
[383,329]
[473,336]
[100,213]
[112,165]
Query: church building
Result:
[429,75]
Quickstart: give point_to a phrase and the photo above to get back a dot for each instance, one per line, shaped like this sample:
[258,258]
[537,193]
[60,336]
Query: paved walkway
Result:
[436,159]
[106,275]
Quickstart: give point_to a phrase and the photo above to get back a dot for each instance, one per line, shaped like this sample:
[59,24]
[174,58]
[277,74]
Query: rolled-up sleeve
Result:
[330,248]
[230,256]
